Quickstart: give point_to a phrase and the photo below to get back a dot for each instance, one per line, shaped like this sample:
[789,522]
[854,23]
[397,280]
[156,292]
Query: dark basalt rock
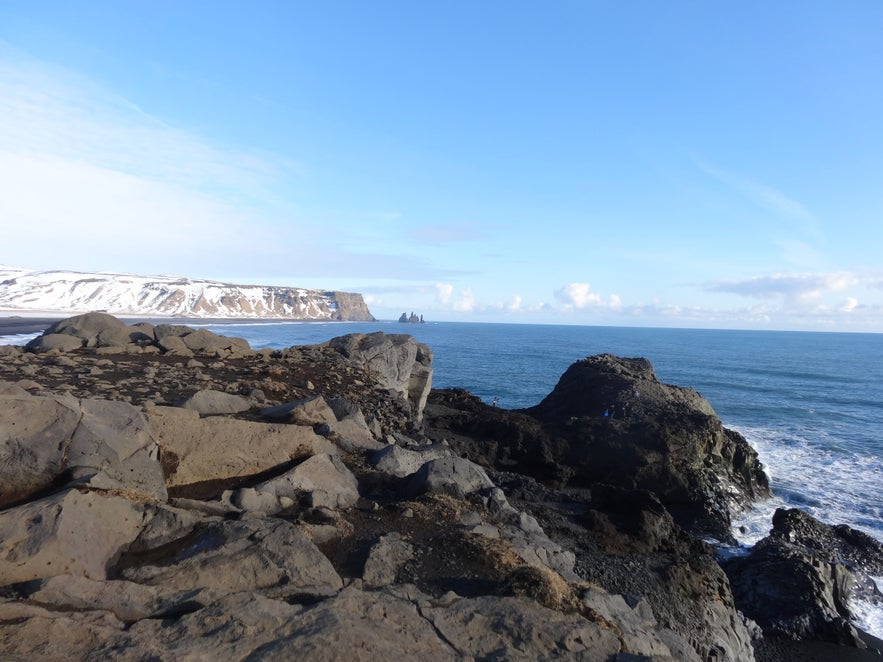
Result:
[623,427]
[655,437]
[798,581]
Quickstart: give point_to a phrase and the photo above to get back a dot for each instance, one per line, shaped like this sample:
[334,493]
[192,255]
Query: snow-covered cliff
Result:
[73,292]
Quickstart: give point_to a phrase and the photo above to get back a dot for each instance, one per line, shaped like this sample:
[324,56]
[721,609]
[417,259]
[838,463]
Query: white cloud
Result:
[466,302]
[793,287]
[514,305]
[579,296]
[444,292]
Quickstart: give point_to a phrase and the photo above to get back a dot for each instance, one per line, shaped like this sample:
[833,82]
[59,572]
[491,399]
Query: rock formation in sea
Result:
[413,318]
[123,294]
[167,493]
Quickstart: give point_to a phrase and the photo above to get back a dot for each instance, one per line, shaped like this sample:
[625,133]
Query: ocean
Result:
[811,404]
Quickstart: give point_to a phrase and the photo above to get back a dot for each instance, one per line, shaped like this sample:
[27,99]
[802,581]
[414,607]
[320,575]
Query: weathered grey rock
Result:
[30,632]
[397,461]
[112,449]
[241,556]
[127,601]
[209,402]
[194,449]
[511,628]
[121,337]
[34,436]
[57,341]
[323,479]
[638,629]
[309,411]
[70,532]
[173,345]
[351,429]
[393,360]
[452,475]
[86,327]
[203,341]
[10,388]
[385,559]
[161,331]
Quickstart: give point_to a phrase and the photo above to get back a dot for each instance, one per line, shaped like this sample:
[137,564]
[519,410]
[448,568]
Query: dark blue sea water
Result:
[810,403]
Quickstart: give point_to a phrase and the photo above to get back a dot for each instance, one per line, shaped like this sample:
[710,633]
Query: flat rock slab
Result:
[241,556]
[209,402]
[70,532]
[195,449]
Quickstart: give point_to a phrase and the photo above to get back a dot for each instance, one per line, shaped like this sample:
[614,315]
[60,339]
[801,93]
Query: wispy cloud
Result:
[787,286]
[449,233]
[769,198]
[107,186]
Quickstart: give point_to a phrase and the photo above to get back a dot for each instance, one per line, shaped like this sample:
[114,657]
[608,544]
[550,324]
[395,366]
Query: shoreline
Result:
[31,322]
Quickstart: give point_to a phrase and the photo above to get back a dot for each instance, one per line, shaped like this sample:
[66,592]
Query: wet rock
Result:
[798,582]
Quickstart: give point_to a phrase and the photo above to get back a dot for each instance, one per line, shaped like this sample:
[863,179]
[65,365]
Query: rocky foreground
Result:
[170,494]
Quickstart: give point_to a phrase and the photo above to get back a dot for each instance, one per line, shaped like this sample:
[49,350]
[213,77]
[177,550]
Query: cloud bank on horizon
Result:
[567,164]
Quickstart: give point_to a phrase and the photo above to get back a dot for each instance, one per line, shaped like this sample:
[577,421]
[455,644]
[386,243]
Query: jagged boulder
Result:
[396,361]
[401,462]
[798,582]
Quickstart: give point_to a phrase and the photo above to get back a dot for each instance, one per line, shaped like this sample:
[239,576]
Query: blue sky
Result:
[687,164]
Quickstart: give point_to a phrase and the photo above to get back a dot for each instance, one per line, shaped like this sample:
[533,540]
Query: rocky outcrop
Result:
[396,362]
[200,500]
[623,427]
[798,581]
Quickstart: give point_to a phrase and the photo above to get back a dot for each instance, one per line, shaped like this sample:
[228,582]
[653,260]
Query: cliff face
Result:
[173,296]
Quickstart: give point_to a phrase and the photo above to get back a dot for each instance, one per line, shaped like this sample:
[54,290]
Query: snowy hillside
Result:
[73,292]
